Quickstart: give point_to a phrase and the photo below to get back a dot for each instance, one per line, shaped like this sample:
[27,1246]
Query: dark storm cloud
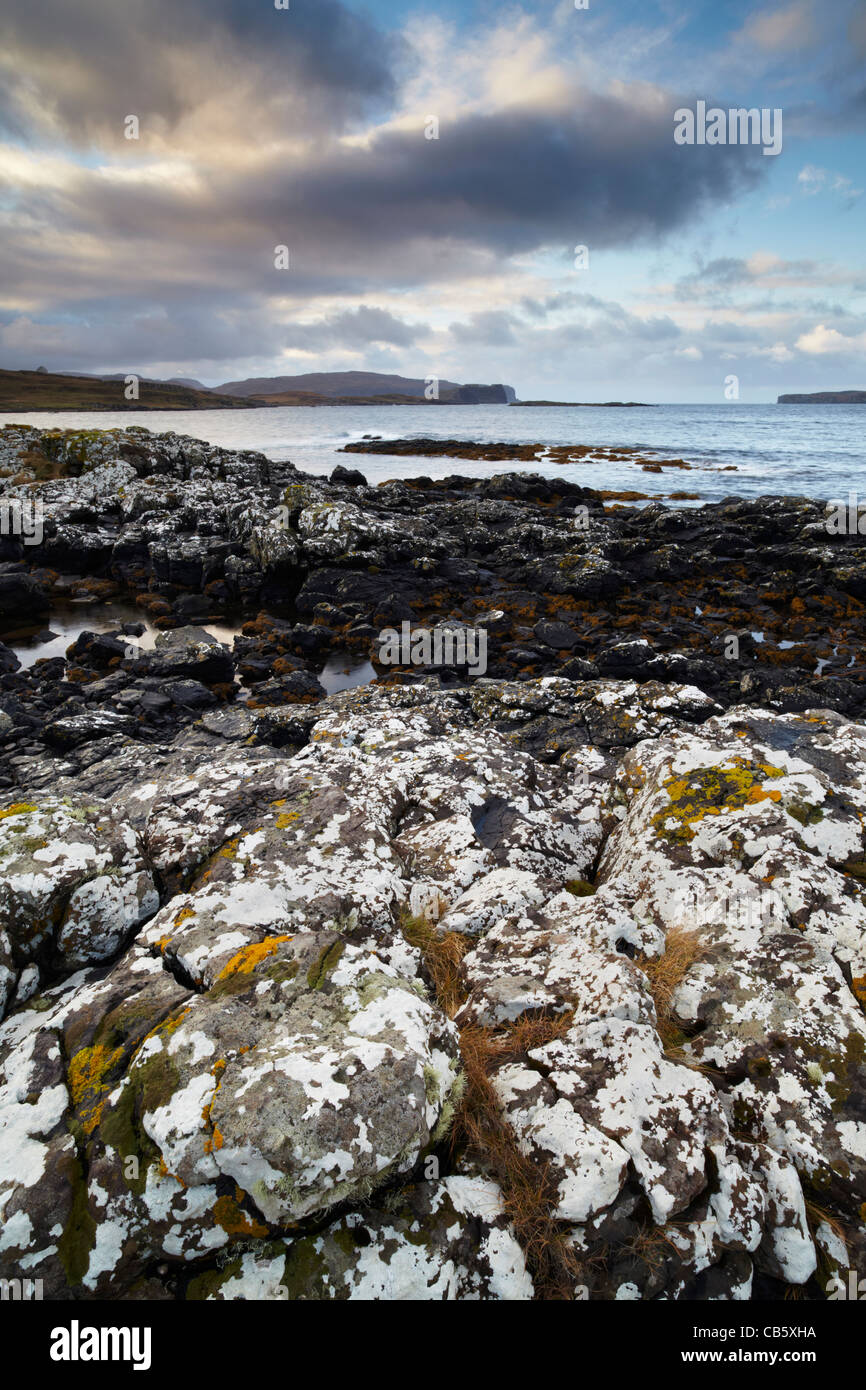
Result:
[606,173]
[86,65]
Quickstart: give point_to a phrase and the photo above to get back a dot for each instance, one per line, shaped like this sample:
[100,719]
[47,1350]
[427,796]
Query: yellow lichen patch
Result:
[18,808]
[183,916]
[248,957]
[858,984]
[229,1214]
[230,848]
[285,818]
[162,1030]
[88,1084]
[709,791]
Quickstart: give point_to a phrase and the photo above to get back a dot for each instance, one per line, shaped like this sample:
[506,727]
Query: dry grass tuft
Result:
[481,1131]
[817,1215]
[665,975]
[442,953]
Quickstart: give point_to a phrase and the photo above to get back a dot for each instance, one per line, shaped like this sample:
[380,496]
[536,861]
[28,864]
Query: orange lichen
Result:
[248,957]
[229,1214]
[89,1085]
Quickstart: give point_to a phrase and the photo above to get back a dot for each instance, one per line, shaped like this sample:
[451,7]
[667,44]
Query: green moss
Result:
[282,971]
[803,812]
[305,1274]
[325,963]
[120,1130]
[580,888]
[448,1111]
[79,1233]
[158,1080]
[204,1285]
[431,1085]
[840,1068]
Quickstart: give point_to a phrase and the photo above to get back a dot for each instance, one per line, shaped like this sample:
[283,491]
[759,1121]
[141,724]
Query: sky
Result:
[309,127]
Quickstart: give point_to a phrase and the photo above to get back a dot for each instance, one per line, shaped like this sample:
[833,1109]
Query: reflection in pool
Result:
[343,670]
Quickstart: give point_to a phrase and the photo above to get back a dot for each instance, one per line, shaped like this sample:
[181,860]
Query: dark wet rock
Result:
[190,694]
[349,477]
[74,729]
[556,635]
[97,650]
[8,660]
[187,653]
[21,596]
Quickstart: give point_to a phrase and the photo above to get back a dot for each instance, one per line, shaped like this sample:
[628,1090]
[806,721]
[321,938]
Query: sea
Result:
[734,450]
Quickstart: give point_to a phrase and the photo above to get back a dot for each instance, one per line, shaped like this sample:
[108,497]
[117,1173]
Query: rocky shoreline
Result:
[545,984]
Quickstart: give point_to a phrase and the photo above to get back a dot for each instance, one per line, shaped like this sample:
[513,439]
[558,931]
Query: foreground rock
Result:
[245,1102]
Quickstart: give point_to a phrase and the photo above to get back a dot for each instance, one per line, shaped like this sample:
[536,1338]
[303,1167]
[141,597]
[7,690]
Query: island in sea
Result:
[825,398]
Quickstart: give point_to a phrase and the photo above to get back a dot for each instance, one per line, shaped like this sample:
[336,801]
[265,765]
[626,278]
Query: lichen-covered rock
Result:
[266,1056]
[74,883]
[560,958]
[735,833]
[308,1075]
[440,1241]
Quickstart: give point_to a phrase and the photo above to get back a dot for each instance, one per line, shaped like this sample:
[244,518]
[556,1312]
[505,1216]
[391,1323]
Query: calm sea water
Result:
[816,451]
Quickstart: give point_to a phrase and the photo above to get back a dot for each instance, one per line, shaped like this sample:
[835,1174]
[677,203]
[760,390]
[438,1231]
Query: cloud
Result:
[75,72]
[779,352]
[397,209]
[823,342]
[781,31]
[719,278]
[814,180]
[490,326]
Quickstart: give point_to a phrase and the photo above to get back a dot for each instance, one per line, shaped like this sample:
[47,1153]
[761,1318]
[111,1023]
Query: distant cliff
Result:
[478,395]
[825,398]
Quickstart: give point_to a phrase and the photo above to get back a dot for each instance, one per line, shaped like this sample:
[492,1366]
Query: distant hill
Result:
[332,384]
[359,387]
[41,390]
[825,398]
